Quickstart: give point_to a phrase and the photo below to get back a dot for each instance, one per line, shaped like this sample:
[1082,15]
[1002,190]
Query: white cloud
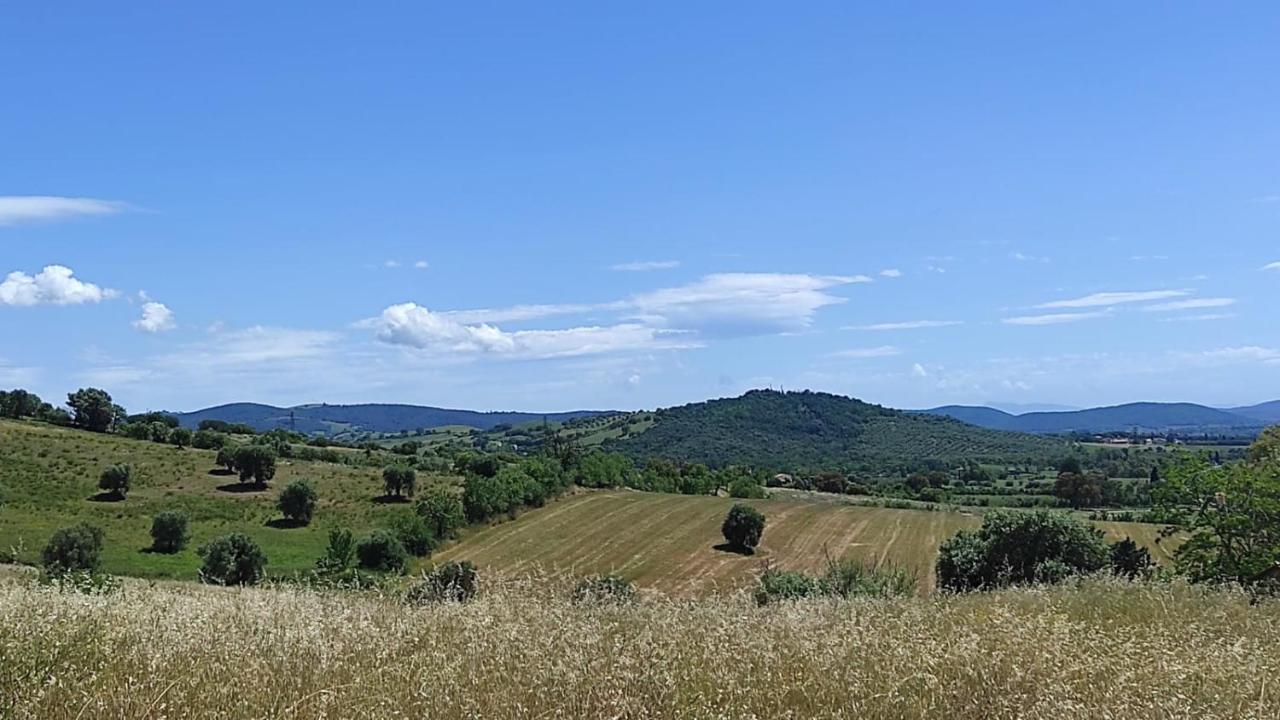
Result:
[421,265]
[15,209]
[391,264]
[252,346]
[1231,355]
[411,325]
[874,352]
[1115,298]
[909,325]
[54,285]
[918,370]
[1193,304]
[891,273]
[1272,266]
[645,265]
[1021,257]
[1052,319]
[156,317]
[742,303]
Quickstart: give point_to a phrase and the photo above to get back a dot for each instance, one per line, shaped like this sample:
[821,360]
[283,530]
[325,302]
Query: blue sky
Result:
[555,206]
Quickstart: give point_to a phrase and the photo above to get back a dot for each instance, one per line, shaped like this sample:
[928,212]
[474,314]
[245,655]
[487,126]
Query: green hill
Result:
[817,431]
[369,417]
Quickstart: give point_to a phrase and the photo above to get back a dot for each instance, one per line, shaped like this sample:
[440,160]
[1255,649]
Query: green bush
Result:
[604,590]
[1015,548]
[1129,559]
[746,488]
[116,479]
[232,560]
[399,480]
[849,578]
[256,462]
[442,508]
[447,582]
[382,551]
[169,531]
[297,501]
[743,527]
[340,553]
[414,533]
[777,585]
[78,547]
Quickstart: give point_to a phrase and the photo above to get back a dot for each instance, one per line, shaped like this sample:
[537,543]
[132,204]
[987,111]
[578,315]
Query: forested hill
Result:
[819,431]
[366,418]
[1143,416]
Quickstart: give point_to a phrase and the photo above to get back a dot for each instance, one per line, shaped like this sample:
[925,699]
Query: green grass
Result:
[48,477]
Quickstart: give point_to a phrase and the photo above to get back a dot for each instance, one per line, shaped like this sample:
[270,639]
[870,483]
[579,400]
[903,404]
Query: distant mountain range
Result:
[1187,418]
[332,419]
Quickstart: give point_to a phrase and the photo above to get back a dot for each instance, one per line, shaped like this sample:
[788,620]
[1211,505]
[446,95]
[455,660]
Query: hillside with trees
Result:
[812,430]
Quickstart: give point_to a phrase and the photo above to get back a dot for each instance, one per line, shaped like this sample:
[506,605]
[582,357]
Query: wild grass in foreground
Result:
[526,649]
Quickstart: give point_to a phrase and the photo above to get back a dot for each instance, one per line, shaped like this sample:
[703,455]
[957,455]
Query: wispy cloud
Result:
[908,325]
[1242,354]
[54,285]
[1052,318]
[16,209]
[1023,257]
[891,273]
[1272,266]
[645,265]
[1104,299]
[873,352]
[1193,304]
[1206,317]
[421,265]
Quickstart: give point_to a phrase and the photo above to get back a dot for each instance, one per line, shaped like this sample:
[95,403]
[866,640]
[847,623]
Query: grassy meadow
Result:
[49,476]
[523,649]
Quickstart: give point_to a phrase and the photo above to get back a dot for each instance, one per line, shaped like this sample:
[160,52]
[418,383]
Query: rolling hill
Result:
[367,417]
[812,430]
[1267,413]
[1145,417]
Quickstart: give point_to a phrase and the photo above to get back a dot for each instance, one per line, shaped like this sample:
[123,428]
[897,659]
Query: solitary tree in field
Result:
[743,527]
[116,479]
[256,462]
[169,531]
[298,502]
[399,480]
[78,547]
[232,560]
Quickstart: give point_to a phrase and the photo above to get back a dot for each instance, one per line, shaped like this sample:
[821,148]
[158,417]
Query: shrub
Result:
[169,531]
[78,547]
[181,437]
[382,551]
[743,527]
[1128,559]
[451,581]
[442,509]
[340,553]
[226,457]
[208,440]
[232,560]
[116,479]
[745,488]
[848,578]
[297,501]
[777,585]
[604,590]
[1013,548]
[415,534]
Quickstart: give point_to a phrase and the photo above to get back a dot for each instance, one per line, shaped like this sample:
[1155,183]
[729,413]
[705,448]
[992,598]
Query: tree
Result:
[745,487]
[78,547]
[116,479]
[399,480]
[340,553]
[1070,464]
[1155,475]
[602,470]
[382,551]
[448,582]
[169,532]
[1231,512]
[297,501]
[181,437]
[1014,548]
[743,527]
[442,508]
[232,560]
[1078,490]
[227,457]
[19,403]
[1129,559]
[256,462]
[414,533]
[484,497]
[92,409]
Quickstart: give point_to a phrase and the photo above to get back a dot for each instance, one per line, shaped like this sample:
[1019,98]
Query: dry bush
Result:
[523,648]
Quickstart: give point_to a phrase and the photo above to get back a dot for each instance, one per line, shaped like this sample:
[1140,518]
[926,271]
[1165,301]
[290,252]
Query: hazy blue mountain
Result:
[1268,412]
[1146,417]
[368,417]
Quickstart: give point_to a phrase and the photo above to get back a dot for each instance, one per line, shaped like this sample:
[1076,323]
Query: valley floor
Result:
[524,650]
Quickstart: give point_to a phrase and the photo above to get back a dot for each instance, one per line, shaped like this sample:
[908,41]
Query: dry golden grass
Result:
[523,650]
